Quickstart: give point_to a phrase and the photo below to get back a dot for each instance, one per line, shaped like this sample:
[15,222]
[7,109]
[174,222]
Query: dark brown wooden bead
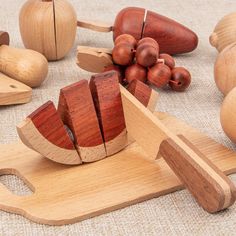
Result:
[159,75]
[126,38]
[180,79]
[123,54]
[168,60]
[150,41]
[118,69]
[146,55]
[135,72]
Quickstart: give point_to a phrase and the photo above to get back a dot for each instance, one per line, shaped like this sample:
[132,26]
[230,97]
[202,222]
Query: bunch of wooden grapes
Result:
[142,61]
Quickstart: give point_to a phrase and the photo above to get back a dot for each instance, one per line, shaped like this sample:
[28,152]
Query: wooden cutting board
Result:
[65,195]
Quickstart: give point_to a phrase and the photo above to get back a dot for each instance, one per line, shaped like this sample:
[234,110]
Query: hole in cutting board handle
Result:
[15,183]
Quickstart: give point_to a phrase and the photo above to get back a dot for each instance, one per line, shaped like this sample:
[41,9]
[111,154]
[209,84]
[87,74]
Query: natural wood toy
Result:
[107,99]
[224,33]
[180,79]
[168,60]
[143,93]
[77,111]
[48,26]
[44,132]
[65,195]
[26,66]
[172,37]
[227,115]
[225,70]
[13,92]
[135,72]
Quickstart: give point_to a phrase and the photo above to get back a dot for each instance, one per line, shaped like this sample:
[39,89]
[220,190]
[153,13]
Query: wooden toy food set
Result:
[101,148]
[22,70]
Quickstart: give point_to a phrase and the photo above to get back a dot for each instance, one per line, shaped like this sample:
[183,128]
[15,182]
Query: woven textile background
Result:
[174,214]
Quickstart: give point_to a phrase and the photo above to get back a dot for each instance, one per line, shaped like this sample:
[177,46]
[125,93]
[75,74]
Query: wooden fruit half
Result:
[77,111]
[44,132]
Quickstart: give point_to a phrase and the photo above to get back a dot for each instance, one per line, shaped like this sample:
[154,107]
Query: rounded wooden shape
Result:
[159,75]
[228,115]
[146,55]
[126,38]
[48,27]
[118,69]
[123,54]
[150,41]
[225,69]
[135,72]
[168,60]
[180,79]
[4,38]
[224,33]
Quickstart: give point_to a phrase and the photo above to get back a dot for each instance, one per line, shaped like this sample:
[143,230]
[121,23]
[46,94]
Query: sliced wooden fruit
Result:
[77,111]
[44,132]
[107,99]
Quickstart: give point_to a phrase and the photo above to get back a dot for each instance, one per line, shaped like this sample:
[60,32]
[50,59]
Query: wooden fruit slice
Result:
[107,99]
[77,111]
[44,132]
[147,96]
[13,92]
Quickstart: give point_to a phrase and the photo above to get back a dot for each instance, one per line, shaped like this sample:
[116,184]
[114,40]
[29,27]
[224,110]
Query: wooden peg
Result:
[26,66]
[147,96]
[106,95]
[77,111]
[95,25]
[44,132]
[201,177]
[13,92]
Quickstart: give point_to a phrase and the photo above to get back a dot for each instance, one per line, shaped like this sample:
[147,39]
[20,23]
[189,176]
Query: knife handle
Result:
[212,189]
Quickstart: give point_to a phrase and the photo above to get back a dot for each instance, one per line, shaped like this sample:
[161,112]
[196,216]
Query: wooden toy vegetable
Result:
[224,33]
[172,37]
[135,72]
[48,26]
[225,69]
[24,65]
[228,115]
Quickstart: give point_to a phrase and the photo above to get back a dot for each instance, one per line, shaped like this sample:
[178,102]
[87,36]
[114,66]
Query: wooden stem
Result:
[96,26]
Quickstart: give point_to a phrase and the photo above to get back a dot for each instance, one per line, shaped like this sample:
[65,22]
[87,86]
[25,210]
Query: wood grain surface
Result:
[124,179]
[77,111]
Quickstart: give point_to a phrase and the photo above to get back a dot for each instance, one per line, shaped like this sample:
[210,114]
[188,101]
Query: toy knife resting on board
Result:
[100,131]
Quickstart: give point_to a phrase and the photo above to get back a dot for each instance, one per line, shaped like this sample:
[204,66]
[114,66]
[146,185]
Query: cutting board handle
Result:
[212,189]
[95,26]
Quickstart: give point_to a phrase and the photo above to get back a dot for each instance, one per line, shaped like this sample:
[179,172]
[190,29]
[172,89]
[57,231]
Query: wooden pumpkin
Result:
[48,27]
[224,33]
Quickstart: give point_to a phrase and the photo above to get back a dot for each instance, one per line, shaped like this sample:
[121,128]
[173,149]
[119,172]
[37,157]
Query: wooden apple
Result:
[48,27]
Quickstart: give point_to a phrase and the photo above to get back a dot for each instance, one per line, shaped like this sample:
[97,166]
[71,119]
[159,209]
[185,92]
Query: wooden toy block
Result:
[147,96]
[206,182]
[106,95]
[44,132]
[77,111]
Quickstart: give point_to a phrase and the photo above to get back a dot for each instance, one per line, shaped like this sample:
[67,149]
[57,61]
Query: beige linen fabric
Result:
[173,214]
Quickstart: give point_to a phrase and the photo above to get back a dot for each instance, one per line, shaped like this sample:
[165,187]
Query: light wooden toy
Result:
[228,115]
[225,69]
[211,188]
[26,66]
[224,33]
[48,26]
[13,92]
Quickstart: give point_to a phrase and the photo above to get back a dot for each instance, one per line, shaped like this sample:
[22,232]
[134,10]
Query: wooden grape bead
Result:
[118,69]
[228,115]
[149,41]
[159,75]
[146,55]
[168,60]
[126,38]
[123,54]
[137,72]
[180,79]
